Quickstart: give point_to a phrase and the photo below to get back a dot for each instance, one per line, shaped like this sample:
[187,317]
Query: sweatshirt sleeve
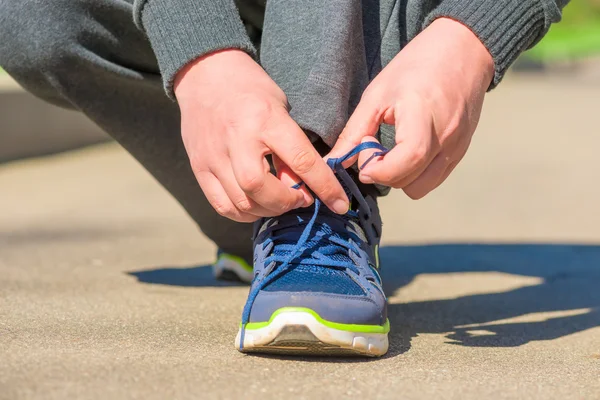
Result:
[183,30]
[505,27]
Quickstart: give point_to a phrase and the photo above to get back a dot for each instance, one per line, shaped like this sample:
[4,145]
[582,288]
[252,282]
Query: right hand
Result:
[232,115]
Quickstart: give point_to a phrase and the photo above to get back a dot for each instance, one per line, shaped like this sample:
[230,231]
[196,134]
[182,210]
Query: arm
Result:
[232,113]
[181,31]
[433,90]
[505,27]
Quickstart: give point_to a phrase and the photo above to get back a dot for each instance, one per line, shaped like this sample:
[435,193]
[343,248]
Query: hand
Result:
[232,116]
[432,91]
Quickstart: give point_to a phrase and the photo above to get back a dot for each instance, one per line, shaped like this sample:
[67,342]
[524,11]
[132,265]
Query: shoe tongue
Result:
[345,185]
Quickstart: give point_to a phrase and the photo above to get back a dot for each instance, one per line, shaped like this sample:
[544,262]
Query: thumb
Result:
[363,122]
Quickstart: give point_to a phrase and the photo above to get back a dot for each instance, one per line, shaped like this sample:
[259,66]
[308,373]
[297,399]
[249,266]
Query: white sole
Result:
[301,333]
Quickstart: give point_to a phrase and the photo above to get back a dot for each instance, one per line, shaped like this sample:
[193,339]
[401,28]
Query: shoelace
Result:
[287,254]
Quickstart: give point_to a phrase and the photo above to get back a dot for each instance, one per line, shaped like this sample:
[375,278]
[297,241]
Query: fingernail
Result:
[340,206]
[308,201]
[366,179]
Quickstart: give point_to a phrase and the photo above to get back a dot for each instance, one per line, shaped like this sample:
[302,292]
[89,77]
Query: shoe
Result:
[316,287]
[232,268]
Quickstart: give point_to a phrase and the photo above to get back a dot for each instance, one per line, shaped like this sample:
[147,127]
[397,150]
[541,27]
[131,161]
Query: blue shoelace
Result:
[333,254]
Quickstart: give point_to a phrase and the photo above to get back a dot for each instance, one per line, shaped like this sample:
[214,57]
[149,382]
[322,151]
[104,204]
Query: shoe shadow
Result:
[197,276]
[569,289]
[568,292]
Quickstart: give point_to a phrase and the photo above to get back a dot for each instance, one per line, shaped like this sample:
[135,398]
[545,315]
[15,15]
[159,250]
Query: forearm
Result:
[182,30]
[505,27]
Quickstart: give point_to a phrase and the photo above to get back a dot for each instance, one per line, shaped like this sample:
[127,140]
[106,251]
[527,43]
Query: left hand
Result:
[433,92]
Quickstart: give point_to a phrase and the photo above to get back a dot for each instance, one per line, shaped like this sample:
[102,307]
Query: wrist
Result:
[468,47]
[221,62]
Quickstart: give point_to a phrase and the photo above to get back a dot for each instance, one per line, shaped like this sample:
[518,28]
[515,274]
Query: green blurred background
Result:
[576,36]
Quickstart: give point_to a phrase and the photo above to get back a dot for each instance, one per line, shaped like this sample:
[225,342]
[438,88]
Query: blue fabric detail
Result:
[307,278]
[310,246]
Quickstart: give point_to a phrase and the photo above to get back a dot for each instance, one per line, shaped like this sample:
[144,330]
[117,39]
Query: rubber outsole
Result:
[301,333]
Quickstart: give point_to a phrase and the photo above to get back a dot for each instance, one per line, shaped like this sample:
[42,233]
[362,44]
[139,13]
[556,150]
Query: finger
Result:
[364,121]
[414,150]
[302,158]
[431,177]
[258,185]
[368,156]
[454,163]
[218,199]
[237,196]
[451,163]
[407,180]
[290,179]
[448,171]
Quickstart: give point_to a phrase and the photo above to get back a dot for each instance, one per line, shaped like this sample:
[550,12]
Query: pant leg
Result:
[88,55]
[323,54]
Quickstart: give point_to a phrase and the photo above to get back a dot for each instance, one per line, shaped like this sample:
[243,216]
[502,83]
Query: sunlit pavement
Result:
[493,280]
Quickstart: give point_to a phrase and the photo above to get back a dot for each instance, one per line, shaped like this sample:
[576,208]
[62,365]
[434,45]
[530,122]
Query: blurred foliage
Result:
[576,36]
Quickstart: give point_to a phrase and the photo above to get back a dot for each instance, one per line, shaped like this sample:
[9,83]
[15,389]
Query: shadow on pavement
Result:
[198,276]
[570,277]
[570,284]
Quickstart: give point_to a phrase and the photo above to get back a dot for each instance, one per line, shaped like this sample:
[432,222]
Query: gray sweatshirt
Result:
[182,30]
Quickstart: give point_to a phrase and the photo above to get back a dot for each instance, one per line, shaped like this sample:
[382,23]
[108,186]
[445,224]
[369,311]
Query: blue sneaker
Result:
[316,287]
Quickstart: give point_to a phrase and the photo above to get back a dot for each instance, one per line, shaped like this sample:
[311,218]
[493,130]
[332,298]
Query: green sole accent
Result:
[385,328]
[238,260]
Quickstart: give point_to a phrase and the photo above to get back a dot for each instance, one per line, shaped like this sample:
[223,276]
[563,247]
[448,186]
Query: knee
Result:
[38,40]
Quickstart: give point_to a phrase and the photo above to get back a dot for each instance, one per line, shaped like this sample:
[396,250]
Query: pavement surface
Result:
[493,280]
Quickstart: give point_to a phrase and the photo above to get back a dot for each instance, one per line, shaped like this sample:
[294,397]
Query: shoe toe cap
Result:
[361,310]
